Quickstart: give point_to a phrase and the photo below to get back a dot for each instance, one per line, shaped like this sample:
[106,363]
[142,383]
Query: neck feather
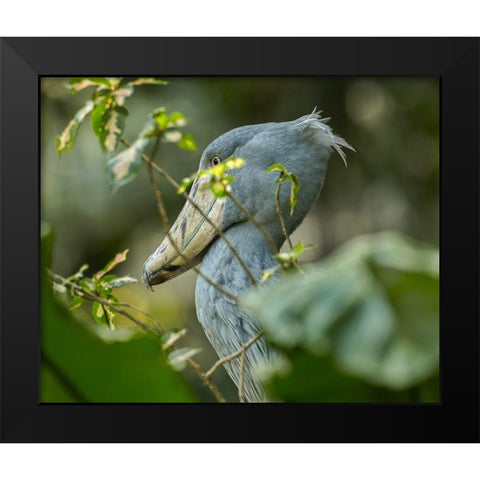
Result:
[221,264]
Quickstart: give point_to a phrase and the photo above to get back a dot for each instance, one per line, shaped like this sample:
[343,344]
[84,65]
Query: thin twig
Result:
[158,193]
[284,228]
[207,381]
[240,205]
[172,182]
[226,359]
[280,216]
[139,310]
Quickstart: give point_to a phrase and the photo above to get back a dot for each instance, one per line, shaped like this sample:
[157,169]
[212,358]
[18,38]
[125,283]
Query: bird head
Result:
[302,146]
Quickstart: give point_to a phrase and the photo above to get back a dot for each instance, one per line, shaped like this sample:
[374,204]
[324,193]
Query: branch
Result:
[93,297]
[159,332]
[207,381]
[158,194]
[284,228]
[280,216]
[226,359]
[139,310]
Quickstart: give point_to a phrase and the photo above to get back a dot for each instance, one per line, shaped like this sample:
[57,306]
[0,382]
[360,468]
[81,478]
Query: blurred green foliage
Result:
[391,183]
[361,325]
[82,367]
[79,366]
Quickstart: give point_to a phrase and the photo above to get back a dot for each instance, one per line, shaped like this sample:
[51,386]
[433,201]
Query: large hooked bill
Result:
[187,240]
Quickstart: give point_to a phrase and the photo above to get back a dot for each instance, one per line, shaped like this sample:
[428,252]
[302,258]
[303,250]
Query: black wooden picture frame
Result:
[25,60]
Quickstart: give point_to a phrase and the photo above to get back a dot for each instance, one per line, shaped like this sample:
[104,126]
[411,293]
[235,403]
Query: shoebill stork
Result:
[303,146]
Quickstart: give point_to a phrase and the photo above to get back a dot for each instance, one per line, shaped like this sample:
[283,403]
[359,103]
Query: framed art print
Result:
[201,235]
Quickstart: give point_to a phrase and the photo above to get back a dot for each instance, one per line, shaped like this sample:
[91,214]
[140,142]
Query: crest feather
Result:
[321,133]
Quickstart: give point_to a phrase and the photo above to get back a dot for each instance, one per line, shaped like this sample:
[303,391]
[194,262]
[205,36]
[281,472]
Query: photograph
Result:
[240,239]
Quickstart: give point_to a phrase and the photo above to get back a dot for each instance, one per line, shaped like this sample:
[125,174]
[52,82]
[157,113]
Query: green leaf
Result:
[149,81]
[227,179]
[103,314]
[76,302]
[371,310]
[109,278]
[217,171]
[294,191]
[98,314]
[288,258]
[176,119]
[219,182]
[284,177]
[120,281]
[119,258]
[161,118]
[97,119]
[277,167]
[79,83]
[109,314]
[122,93]
[232,163]
[269,273]
[186,182]
[64,141]
[166,125]
[103,288]
[178,358]
[187,142]
[219,189]
[108,123]
[82,269]
[123,167]
[87,284]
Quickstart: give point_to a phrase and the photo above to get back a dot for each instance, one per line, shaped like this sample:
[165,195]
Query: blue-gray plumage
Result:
[303,146]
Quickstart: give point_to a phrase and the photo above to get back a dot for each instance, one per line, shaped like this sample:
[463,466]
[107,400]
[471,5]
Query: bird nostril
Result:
[170,268]
[163,274]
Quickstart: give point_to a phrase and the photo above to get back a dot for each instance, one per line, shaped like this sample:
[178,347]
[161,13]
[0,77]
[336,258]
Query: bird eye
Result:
[216,160]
